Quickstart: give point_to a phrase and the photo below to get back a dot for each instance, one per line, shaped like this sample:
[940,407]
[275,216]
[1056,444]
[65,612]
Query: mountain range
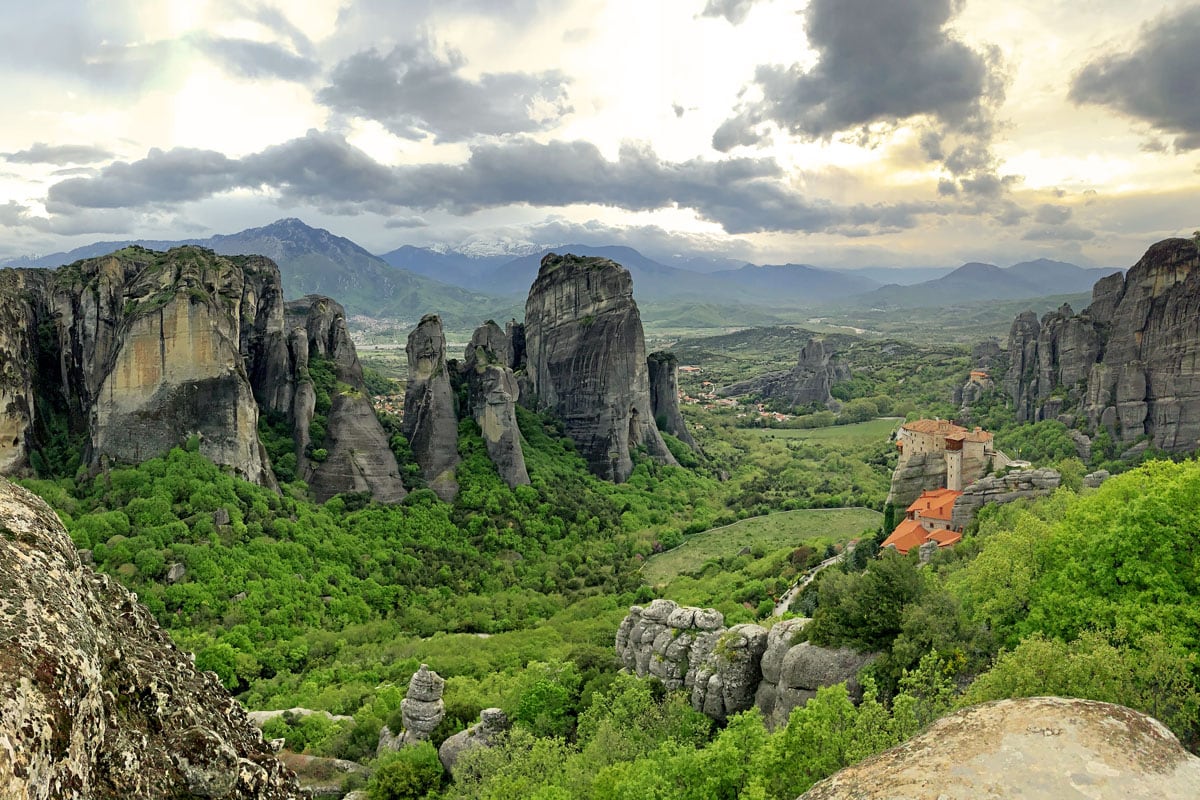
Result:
[405,283]
[974,282]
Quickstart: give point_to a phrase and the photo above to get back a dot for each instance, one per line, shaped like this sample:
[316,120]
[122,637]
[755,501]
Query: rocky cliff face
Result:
[150,345]
[358,457]
[148,349]
[729,670]
[792,673]
[493,392]
[1128,362]
[18,349]
[586,360]
[992,489]
[95,700]
[1033,747]
[664,397]
[430,423]
[806,384]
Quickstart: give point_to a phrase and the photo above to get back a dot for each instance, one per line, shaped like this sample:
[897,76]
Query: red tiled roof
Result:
[936,504]
[942,426]
[945,538]
[908,534]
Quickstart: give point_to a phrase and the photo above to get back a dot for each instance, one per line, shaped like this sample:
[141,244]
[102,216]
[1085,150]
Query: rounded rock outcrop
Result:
[492,723]
[1047,747]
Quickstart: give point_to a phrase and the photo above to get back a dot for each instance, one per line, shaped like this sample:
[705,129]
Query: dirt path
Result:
[791,594]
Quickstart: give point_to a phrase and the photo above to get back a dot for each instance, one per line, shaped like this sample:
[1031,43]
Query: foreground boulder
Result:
[95,699]
[586,361]
[1034,747]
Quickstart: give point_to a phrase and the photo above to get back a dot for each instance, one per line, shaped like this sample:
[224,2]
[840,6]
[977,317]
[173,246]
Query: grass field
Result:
[773,531]
[877,430]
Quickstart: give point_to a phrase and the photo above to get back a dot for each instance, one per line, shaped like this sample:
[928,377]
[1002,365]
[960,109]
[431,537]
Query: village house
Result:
[927,519]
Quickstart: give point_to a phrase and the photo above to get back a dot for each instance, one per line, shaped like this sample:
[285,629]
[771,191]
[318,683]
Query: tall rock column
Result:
[358,457]
[586,361]
[430,423]
[18,328]
[493,393]
[664,397]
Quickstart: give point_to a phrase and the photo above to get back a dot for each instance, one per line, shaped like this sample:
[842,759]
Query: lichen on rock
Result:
[95,699]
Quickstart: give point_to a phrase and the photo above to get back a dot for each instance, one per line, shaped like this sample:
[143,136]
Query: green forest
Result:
[514,596]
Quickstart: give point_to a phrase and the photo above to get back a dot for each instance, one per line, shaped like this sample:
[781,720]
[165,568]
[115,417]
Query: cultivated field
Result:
[876,430]
[772,532]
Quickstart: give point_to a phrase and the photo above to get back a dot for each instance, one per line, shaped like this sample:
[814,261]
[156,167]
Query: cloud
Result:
[1061,233]
[878,63]
[733,10]
[254,60]
[405,223]
[1048,214]
[58,154]
[414,91]
[323,170]
[97,45]
[1155,81]
[15,215]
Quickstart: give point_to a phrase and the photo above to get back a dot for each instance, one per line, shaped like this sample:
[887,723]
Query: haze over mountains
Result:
[463,287]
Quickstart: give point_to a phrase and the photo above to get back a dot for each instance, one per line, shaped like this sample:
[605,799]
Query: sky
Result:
[832,132]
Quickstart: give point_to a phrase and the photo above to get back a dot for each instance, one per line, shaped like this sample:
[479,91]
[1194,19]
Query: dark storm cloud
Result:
[733,10]
[1156,81]
[58,154]
[742,194]
[414,91]
[878,63]
[161,177]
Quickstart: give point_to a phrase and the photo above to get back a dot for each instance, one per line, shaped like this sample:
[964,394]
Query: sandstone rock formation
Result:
[728,678]
[140,351]
[728,670]
[806,384]
[18,354]
[1127,362]
[792,672]
[1034,747]
[430,423]
[668,642]
[586,360]
[493,392]
[357,456]
[993,489]
[422,707]
[664,397]
[492,722]
[95,699]
[152,348]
